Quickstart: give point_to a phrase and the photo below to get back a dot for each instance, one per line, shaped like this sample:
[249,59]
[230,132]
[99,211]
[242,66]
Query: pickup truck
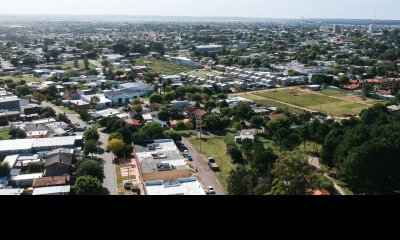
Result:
[213,165]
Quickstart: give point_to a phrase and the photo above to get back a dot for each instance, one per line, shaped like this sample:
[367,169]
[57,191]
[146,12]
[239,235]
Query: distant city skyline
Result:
[293,9]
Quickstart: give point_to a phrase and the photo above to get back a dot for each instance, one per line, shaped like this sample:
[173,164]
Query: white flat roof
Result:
[57,141]
[11,160]
[14,191]
[51,190]
[19,144]
[27,176]
[182,186]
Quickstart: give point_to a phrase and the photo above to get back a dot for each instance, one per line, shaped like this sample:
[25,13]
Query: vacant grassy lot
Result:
[269,103]
[349,97]
[315,102]
[215,146]
[4,134]
[27,78]
[71,65]
[67,110]
[161,66]
[204,73]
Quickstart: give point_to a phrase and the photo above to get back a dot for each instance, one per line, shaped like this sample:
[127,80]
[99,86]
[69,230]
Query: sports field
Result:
[329,101]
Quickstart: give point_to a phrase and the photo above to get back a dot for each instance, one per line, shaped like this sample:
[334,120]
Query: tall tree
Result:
[242,181]
[90,147]
[90,168]
[87,185]
[116,146]
[293,176]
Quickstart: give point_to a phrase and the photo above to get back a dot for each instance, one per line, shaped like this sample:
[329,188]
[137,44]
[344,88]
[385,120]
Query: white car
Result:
[186,152]
[211,190]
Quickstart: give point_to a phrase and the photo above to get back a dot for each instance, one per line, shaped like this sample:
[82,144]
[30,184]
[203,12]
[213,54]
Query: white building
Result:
[181,186]
[186,62]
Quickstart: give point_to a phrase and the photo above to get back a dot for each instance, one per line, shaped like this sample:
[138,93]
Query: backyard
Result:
[27,78]
[204,73]
[4,134]
[71,65]
[161,66]
[67,110]
[213,145]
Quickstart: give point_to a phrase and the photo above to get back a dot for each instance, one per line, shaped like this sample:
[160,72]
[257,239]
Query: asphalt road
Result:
[109,170]
[207,176]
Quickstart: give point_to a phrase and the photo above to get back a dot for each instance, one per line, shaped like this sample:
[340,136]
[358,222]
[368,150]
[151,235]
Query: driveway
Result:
[206,175]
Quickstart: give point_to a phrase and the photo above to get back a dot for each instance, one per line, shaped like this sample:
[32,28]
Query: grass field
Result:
[348,97]
[27,78]
[81,65]
[164,67]
[204,73]
[266,102]
[316,102]
[4,134]
[215,146]
[67,110]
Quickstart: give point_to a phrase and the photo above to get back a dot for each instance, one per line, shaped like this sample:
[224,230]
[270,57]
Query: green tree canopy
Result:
[90,168]
[87,185]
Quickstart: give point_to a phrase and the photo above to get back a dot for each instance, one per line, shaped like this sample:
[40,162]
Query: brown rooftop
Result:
[50,181]
[167,175]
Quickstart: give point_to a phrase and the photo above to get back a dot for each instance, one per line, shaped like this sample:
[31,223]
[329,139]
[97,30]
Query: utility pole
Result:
[199,128]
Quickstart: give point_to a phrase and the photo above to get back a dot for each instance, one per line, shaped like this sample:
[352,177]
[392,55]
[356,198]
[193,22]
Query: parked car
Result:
[213,165]
[186,152]
[210,190]
[128,186]
[189,157]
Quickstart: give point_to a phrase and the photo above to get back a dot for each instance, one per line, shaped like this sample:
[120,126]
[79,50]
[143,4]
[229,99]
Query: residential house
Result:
[58,164]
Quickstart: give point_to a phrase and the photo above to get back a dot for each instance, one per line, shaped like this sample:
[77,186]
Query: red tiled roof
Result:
[156,106]
[352,86]
[322,192]
[199,112]
[133,122]
[384,92]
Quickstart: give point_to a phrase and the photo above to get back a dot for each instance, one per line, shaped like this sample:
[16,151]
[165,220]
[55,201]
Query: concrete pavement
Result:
[206,175]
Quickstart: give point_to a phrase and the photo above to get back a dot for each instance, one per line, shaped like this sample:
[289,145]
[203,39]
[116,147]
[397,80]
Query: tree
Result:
[23,91]
[257,122]
[170,134]
[90,147]
[263,159]
[137,108]
[87,185]
[237,126]
[90,168]
[62,117]
[116,146]
[115,135]
[86,62]
[94,101]
[156,98]
[241,181]
[398,98]
[151,131]
[180,126]
[209,105]
[54,53]
[215,122]
[76,63]
[4,169]
[235,153]
[223,104]
[91,133]
[47,112]
[293,176]
[243,110]
[366,88]
[286,139]
[17,133]
[38,96]
[247,148]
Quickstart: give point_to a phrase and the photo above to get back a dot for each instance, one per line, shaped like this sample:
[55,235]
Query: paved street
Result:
[207,176]
[109,170]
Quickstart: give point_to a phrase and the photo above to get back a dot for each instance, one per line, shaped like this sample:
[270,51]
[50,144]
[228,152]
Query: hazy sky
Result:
[385,9]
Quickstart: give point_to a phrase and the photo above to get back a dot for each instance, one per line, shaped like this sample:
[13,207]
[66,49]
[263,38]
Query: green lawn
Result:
[27,78]
[71,65]
[161,66]
[4,134]
[215,146]
[204,73]
[67,110]
[322,103]
[269,103]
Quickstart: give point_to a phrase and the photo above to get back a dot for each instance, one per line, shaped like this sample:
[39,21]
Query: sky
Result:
[365,9]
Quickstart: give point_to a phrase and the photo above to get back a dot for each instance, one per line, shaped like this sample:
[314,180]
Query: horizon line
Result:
[188,16]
